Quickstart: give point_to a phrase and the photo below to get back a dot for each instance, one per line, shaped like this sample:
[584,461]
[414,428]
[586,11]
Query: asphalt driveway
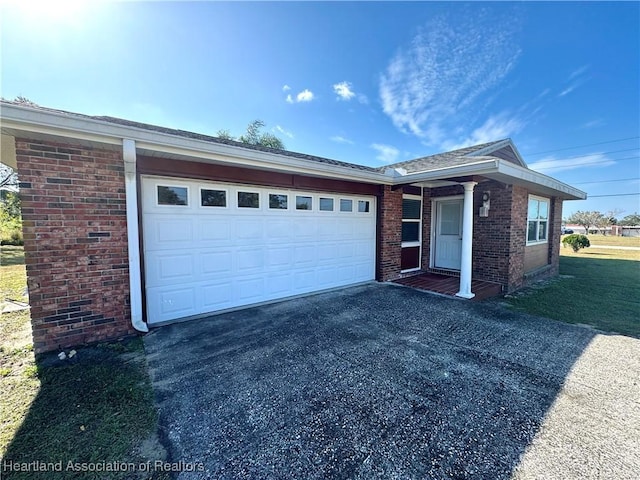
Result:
[382,382]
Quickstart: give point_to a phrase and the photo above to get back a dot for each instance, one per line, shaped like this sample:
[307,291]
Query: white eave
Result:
[44,122]
[15,118]
[502,171]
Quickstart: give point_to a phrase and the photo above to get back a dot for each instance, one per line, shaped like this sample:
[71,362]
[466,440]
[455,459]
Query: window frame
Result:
[538,220]
[219,189]
[285,194]
[418,221]
[240,190]
[172,205]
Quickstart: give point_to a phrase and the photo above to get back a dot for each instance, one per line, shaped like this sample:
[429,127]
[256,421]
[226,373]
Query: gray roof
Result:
[454,158]
[440,160]
[196,136]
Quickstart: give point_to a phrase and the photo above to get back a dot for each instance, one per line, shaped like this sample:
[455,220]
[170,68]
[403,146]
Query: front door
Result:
[448,235]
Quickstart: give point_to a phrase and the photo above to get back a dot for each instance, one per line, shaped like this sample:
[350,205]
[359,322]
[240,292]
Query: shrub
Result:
[576,241]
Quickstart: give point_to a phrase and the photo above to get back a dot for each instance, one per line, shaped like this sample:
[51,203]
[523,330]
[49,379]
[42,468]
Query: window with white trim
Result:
[537,220]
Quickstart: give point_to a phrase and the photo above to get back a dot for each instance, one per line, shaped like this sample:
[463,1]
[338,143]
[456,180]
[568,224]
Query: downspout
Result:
[133,245]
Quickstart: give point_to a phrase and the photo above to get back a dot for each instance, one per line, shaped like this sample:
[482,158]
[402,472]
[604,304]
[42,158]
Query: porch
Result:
[450,285]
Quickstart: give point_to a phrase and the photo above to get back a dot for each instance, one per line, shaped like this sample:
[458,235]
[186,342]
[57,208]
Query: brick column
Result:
[390,234]
[75,241]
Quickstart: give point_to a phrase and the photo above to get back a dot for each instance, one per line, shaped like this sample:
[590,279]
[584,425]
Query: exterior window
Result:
[173,195]
[411,225]
[213,198]
[346,205]
[248,200]
[278,202]
[363,206]
[537,220]
[303,203]
[326,204]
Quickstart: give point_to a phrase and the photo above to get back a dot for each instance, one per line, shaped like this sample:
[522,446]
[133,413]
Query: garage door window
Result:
[303,203]
[278,202]
[326,204]
[173,195]
[363,206]
[248,200]
[346,205]
[213,198]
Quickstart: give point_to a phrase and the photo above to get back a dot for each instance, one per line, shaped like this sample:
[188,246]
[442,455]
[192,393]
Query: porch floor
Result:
[450,285]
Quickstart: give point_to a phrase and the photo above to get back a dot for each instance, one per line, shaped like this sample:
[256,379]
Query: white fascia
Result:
[540,180]
[59,124]
[482,167]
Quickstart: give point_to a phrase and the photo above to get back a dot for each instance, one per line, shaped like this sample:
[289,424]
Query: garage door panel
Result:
[217,295]
[278,229]
[250,260]
[278,284]
[304,280]
[250,289]
[216,231]
[165,231]
[216,263]
[205,259]
[278,257]
[304,256]
[173,303]
[248,230]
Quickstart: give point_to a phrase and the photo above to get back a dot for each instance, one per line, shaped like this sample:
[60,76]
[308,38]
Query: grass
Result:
[614,241]
[597,287]
[96,407]
[12,274]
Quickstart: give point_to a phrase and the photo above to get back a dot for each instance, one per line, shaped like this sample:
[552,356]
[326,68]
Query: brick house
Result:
[129,226]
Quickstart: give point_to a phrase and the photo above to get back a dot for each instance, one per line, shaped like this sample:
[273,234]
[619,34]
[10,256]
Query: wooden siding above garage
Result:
[225,173]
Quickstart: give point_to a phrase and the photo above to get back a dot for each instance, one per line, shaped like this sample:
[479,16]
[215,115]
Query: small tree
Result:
[576,241]
[254,136]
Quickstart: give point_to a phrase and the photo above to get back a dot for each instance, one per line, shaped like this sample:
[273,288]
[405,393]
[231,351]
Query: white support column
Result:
[467,242]
[133,242]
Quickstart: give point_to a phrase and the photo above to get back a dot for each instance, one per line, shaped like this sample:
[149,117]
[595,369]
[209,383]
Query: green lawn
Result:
[94,408]
[598,287]
[614,241]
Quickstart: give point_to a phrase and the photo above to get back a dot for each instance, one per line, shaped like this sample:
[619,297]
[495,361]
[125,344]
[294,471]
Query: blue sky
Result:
[369,83]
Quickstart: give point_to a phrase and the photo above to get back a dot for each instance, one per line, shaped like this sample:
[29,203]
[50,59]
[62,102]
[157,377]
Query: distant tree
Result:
[254,136]
[586,219]
[630,220]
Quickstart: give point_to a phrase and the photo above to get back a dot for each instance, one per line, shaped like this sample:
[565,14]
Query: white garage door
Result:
[212,246]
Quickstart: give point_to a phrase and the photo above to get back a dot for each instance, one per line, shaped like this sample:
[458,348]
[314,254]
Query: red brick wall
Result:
[75,236]
[518,236]
[492,249]
[390,234]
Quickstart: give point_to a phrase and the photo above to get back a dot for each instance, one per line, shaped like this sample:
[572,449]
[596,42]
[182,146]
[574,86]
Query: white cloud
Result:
[386,153]
[567,90]
[305,96]
[578,71]
[552,164]
[283,131]
[340,139]
[344,91]
[495,128]
[598,122]
[440,80]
